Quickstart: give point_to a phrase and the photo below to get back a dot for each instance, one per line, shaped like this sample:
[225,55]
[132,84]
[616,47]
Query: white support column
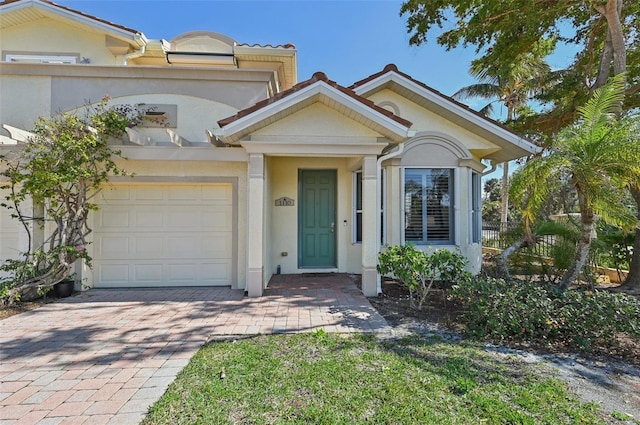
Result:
[370,210]
[255,225]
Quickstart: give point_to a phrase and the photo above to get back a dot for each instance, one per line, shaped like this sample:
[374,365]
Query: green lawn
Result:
[330,379]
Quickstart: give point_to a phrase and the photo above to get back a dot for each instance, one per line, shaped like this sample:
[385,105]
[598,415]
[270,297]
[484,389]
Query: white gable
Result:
[317,121]
[425,120]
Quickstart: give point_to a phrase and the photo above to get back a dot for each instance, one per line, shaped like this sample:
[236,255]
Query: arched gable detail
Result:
[203,41]
[390,106]
[433,149]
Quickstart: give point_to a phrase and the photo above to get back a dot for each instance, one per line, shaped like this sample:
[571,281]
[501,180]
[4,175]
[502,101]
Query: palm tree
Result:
[513,86]
[601,154]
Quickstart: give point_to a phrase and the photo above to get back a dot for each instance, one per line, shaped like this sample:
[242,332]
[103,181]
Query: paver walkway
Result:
[105,356]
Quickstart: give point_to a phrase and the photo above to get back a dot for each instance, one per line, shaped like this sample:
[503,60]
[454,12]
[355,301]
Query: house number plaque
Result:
[285,202]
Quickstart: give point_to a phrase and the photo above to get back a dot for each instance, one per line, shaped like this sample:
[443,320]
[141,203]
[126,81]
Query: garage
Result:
[152,235]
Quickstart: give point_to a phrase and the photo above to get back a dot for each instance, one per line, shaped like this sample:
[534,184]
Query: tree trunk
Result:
[632,282]
[612,11]
[503,259]
[583,246]
[604,71]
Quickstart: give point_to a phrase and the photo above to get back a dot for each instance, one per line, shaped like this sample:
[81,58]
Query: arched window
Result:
[429,188]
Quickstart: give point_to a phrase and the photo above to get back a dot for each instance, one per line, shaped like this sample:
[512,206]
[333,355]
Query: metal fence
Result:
[502,235]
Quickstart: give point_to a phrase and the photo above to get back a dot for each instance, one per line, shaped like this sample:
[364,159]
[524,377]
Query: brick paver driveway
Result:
[106,356]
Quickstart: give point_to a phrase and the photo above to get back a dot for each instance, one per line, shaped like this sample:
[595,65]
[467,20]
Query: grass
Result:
[330,379]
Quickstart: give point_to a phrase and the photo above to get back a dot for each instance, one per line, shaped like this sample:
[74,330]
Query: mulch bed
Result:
[393,305]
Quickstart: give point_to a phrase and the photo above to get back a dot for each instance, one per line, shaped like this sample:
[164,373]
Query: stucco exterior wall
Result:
[195,115]
[202,98]
[424,120]
[52,36]
[23,99]
[317,120]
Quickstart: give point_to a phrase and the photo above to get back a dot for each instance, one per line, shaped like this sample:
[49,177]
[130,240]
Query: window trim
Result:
[383,206]
[475,214]
[354,211]
[381,210]
[453,213]
[43,58]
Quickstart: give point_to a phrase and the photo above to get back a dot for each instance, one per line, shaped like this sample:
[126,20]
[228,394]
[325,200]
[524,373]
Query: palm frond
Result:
[482,90]
[531,184]
[487,109]
[604,104]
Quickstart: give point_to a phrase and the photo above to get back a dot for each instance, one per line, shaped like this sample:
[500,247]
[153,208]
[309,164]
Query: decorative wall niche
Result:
[158,115]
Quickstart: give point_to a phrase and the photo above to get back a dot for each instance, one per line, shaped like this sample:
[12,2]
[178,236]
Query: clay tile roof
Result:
[77,12]
[318,76]
[284,46]
[393,68]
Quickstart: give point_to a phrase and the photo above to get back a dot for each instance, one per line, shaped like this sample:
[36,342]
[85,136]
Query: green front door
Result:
[317,219]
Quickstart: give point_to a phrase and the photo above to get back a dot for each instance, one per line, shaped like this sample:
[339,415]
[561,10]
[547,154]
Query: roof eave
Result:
[135,36]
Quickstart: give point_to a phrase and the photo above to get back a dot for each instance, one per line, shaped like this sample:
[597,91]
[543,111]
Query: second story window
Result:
[31,58]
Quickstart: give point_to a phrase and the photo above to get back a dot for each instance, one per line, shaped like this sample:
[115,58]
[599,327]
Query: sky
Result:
[347,40]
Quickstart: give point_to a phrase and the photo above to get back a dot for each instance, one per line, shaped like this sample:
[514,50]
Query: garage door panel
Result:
[112,247]
[113,218]
[218,246]
[162,235]
[148,217]
[149,193]
[116,193]
[220,194]
[182,272]
[147,273]
[147,247]
[183,247]
[187,217]
[218,272]
[113,274]
[219,217]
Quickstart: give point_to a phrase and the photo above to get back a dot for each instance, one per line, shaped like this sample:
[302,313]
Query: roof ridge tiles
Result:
[272,46]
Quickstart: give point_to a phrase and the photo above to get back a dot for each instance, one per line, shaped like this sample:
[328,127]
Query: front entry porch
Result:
[328,301]
[302,218]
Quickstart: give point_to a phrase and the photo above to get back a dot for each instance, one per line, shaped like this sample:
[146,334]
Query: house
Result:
[241,171]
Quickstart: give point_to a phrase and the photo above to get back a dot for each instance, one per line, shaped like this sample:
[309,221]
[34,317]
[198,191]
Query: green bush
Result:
[530,312]
[613,247]
[418,270]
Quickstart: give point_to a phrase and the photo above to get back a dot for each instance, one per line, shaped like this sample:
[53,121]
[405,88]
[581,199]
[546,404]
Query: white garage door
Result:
[164,235]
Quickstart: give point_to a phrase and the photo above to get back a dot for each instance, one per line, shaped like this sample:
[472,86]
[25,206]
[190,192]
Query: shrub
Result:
[418,271]
[530,312]
[61,168]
